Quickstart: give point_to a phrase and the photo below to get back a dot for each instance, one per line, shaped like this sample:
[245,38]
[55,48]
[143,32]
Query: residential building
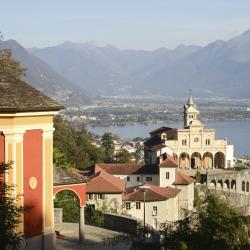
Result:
[161,204]
[104,189]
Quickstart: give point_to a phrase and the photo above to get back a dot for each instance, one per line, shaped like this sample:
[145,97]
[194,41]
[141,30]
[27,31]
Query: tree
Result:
[214,225]
[10,213]
[10,70]
[75,147]
[108,146]
[138,152]
[123,156]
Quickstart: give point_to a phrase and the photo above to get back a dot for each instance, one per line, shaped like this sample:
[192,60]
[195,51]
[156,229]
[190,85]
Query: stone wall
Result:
[120,223]
[58,215]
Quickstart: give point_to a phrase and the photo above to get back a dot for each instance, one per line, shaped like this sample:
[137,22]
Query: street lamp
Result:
[144,189]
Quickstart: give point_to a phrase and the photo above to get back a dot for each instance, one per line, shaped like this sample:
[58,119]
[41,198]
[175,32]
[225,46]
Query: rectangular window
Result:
[207,141]
[138,178]
[100,196]
[138,205]
[90,197]
[128,178]
[167,175]
[154,210]
[148,178]
[127,205]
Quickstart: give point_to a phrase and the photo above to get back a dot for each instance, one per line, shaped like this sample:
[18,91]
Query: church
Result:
[192,146]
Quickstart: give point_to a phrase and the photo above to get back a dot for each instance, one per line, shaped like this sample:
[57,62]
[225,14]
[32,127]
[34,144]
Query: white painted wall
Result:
[142,178]
[166,211]
[186,196]
[229,156]
[163,181]
[109,199]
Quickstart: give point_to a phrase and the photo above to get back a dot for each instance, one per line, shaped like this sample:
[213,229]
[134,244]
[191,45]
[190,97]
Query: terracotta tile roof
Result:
[63,177]
[18,96]
[182,179]
[103,182]
[127,168]
[168,163]
[154,193]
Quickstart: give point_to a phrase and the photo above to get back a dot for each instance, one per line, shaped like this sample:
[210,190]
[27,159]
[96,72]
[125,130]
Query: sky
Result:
[130,24]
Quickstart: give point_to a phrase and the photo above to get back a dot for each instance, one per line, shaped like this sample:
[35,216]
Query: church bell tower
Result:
[190,112]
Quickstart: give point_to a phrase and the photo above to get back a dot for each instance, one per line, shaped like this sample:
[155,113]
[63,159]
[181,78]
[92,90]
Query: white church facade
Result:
[193,146]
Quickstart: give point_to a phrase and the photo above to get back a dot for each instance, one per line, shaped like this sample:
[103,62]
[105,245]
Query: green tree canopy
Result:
[123,156]
[10,214]
[74,147]
[213,226]
[108,146]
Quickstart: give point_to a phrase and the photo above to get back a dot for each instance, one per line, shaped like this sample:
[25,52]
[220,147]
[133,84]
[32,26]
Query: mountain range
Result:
[41,76]
[221,68]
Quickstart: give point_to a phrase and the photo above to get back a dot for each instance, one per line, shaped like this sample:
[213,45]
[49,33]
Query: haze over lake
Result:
[236,132]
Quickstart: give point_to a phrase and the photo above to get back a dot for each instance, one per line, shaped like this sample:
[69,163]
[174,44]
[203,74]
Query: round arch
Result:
[213,183]
[233,185]
[208,160]
[184,160]
[196,160]
[243,186]
[220,184]
[227,184]
[219,160]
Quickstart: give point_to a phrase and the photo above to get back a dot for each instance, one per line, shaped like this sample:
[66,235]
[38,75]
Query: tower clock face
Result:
[196,139]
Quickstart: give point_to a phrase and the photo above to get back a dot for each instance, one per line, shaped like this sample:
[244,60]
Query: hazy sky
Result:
[140,24]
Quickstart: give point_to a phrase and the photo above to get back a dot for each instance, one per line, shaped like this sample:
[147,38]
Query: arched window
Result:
[247,186]
[243,186]
[184,142]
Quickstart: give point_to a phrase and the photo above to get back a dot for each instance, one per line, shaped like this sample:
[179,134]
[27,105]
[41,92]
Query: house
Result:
[169,191]
[132,174]
[105,189]
[161,204]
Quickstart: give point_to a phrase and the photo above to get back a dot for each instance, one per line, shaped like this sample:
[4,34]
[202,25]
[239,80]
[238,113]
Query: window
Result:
[127,204]
[191,116]
[128,178]
[167,175]
[207,141]
[138,205]
[90,196]
[247,186]
[138,178]
[184,142]
[154,210]
[100,196]
[148,178]
[243,186]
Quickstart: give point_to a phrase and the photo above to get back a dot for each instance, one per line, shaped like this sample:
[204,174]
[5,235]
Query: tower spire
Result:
[190,101]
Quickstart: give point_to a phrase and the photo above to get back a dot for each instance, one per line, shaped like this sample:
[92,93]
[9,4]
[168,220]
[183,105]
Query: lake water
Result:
[237,132]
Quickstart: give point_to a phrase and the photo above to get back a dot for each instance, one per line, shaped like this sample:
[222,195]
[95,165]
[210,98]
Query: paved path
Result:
[94,238]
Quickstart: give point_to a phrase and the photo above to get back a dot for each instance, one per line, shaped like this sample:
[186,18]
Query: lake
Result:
[237,132]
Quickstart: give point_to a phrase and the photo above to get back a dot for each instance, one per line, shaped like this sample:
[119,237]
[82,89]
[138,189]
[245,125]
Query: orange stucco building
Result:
[26,140]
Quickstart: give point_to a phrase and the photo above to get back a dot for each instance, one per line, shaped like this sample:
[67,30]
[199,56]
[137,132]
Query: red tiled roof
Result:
[127,168]
[168,163]
[182,179]
[154,193]
[103,182]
